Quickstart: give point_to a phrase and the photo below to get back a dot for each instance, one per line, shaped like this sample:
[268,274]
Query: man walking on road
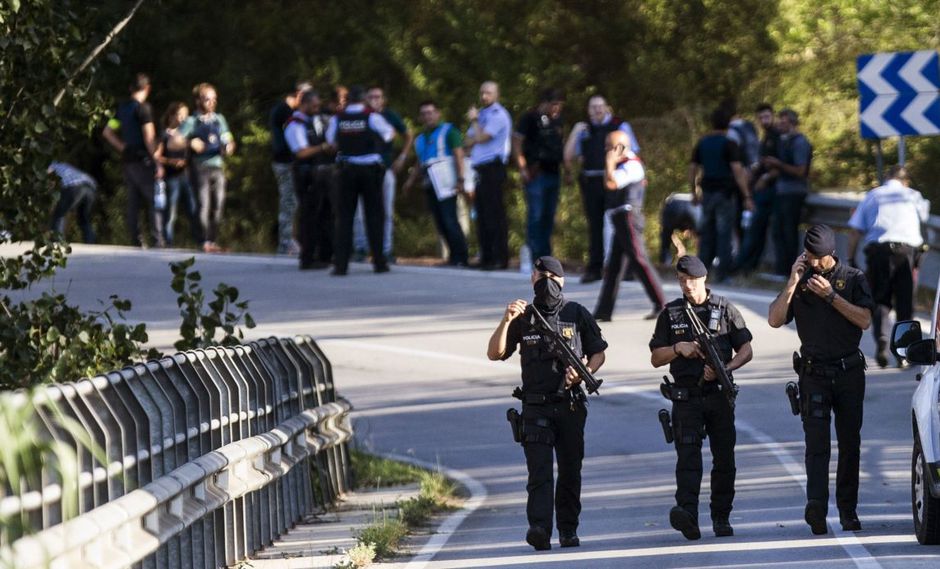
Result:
[625,183]
[699,407]
[553,404]
[832,304]
[889,221]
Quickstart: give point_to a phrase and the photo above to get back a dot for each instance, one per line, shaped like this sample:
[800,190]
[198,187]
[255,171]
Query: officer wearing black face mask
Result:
[553,409]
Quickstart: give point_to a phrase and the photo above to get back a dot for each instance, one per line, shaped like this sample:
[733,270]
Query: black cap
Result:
[551,265]
[820,240]
[692,266]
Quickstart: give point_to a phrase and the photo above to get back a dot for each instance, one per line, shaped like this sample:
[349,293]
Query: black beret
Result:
[820,240]
[692,266]
[551,265]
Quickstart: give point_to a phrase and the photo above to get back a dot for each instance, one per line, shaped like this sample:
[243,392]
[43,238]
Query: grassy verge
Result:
[384,536]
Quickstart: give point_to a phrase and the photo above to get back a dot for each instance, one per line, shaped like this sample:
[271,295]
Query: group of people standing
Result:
[181,163]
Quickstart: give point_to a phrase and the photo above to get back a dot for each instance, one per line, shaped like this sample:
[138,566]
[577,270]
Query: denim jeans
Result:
[755,236]
[715,231]
[787,211]
[178,188]
[286,204]
[80,198]
[444,213]
[541,196]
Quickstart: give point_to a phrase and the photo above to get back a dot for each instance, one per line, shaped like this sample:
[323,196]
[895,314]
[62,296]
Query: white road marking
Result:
[849,542]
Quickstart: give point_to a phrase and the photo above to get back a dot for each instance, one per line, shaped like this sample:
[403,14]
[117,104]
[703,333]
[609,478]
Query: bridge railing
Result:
[199,459]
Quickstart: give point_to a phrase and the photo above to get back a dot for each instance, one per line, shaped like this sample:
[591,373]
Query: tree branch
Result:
[95,52]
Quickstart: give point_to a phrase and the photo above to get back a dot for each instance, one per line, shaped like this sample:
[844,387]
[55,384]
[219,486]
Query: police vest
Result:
[354,137]
[210,133]
[433,145]
[592,146]
[542,371]
[313,138]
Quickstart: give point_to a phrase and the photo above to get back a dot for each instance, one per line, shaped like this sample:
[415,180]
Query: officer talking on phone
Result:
[832,304]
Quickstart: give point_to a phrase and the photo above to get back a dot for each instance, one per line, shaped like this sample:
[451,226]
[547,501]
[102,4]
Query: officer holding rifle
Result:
[553,403]
[701,406]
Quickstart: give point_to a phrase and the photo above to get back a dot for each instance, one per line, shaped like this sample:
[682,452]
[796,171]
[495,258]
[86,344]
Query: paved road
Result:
[408,350]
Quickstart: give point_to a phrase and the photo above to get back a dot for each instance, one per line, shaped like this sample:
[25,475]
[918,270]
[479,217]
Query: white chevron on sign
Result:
[914,113]
[911,72]
[872,116]
[870,75]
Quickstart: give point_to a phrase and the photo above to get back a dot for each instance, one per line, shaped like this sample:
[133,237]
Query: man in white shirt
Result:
[889,221]
[625,184]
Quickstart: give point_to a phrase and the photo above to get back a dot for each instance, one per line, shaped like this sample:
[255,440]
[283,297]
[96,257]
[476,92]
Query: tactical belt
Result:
[538,398]
[832,368]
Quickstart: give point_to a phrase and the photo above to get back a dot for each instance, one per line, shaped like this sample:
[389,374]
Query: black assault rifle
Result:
[561,350]
[707,342]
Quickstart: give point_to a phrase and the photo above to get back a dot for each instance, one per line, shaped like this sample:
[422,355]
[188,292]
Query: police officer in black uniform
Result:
[312,171]
[358,134]
[699,408]
[553,404]
[832,304]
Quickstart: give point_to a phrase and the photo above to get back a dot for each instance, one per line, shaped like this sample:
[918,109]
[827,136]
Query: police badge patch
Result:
[568,332]
[840,284]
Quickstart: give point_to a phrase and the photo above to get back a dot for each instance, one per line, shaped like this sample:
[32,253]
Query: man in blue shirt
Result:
[488,141]
[889,222]
[586,144]
[439,146]
[358,133]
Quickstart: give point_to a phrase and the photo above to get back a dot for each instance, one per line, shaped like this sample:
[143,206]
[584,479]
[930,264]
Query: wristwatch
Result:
[831,296]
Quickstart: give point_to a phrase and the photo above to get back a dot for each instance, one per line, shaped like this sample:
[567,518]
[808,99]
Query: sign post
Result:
[899,95]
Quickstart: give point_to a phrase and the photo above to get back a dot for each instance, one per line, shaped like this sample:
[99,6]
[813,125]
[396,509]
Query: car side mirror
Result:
[922,352]
[904,334]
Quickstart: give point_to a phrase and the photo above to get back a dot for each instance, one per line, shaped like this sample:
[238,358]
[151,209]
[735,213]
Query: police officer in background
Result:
[305,135]
[358,133]
[832,304]
[586,142]
[699,408]
[625,182]
[553,411]
[889,222]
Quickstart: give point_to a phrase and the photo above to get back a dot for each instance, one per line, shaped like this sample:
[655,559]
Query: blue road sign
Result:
[899,93]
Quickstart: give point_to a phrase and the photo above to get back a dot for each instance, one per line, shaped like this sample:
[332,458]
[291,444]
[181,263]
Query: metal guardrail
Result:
[208,456]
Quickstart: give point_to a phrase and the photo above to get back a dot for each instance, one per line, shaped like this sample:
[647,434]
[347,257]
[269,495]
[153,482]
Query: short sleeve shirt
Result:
[129,121]
[542,142]
[496,122]
[823,331]
[541,372]
[891,213]
[673,326]
[280,114]
[795,150]
[206,127]
[715,153]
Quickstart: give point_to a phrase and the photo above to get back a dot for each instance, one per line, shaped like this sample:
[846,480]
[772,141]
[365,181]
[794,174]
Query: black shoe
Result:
[682,520]
[338,272]
[537,537]
[602,317]
[568,539]
[815,516]
[849,520]
[722,527]
[313,265]
[881,356]
[590,276]
[381,268]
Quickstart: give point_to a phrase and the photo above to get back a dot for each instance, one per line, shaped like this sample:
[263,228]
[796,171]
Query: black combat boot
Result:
[722,527]
[538,538]
[849,520]
[815,516]
[568,538]
[682,520]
